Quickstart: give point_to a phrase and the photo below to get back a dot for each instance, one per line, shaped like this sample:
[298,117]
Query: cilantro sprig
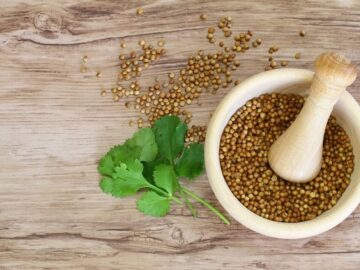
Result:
[155,160]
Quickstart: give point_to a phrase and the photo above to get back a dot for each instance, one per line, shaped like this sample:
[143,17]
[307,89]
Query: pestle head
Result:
[296,154]
[335,69]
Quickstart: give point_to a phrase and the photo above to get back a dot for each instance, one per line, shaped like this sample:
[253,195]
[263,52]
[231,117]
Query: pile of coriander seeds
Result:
[244,148]
[203,73]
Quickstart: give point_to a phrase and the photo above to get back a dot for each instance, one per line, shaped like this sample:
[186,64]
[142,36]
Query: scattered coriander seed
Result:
[297,55]
[270,58]
[221,44]
[116,97]
[227,33]
[273,64]
[82,69]
[139,11]
[85,58]
[103,93]
[161,43]
[237,82]
[122,45]
[258,41]
[142,42]
[98,74]
[302,33]
[273,49]
[284,63]
[203,17]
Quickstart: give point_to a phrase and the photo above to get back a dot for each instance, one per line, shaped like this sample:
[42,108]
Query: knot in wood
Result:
[48,22]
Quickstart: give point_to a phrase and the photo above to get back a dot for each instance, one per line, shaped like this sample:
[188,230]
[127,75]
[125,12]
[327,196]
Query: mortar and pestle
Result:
[296,154]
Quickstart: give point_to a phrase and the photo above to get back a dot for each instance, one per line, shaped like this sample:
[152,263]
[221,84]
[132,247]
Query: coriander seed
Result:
[203,17]
[139,11]
[211,30]
[161,43]
[82,69]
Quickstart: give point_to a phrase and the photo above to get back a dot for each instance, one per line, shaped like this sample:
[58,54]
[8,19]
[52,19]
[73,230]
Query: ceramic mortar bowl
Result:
[347,113]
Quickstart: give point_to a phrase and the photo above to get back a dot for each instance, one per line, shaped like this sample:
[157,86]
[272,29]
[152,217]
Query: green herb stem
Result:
[208,205]
[159,190]
[188,203]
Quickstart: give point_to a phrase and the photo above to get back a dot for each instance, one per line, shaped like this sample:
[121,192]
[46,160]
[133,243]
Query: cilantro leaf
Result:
[191,163]
[153,204]
[165,177]
[106,185]
[144,142]
[116,155]
[169,134]
[154,159]
[106,166]
[128,179]
[122,153]
[141,146]
[149,168]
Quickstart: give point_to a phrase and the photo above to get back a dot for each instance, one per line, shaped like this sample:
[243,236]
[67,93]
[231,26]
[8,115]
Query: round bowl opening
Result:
[347,113]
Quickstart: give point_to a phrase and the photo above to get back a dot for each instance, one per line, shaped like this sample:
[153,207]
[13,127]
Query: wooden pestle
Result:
[296,154]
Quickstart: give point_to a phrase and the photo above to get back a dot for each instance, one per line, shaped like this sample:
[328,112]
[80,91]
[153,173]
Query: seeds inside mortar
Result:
[243,157]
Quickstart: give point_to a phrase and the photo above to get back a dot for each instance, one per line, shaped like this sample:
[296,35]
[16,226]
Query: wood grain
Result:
[54,126]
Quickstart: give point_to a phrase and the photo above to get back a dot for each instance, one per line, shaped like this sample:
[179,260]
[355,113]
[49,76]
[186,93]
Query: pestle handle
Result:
[333,73]
[296,154]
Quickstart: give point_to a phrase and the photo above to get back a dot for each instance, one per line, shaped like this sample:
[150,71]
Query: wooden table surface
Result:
[54,126]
